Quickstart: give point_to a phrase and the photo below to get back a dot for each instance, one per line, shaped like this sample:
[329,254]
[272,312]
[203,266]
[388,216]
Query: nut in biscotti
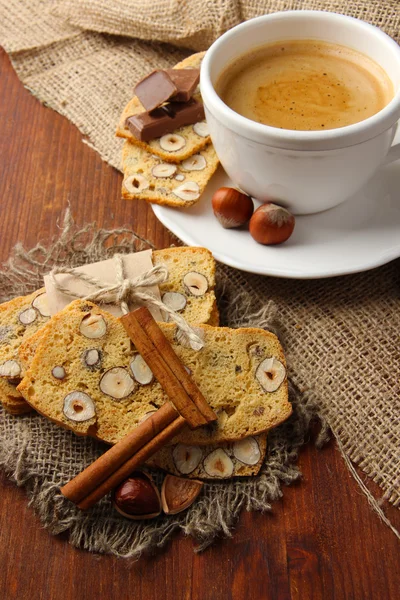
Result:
[238,459]
[148,178]
[78,406]
[20,319]
[122,394]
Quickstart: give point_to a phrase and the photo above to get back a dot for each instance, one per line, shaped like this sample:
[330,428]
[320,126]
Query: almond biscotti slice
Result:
[218,461]
[19,319]
[86,375]
[173,147]
[147,177]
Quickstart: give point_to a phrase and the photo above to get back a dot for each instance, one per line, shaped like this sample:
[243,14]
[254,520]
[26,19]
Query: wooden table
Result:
[321,540]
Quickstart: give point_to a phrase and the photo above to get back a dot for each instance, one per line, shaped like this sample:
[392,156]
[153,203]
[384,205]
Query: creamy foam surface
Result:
[305,85]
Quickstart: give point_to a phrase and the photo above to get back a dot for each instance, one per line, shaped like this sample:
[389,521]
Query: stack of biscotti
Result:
[20,318]
[86,375]
[172,169]
[189,290]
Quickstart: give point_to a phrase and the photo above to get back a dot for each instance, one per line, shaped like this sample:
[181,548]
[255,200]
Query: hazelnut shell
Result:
[177,493]
[271,224]
[231,207]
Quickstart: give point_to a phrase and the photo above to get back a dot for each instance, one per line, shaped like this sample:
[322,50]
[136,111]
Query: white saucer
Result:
[360,234]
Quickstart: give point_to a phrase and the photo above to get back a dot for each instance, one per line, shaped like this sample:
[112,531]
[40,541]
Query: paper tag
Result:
[134,265]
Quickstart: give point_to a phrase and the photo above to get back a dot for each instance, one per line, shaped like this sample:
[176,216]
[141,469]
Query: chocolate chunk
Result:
[186,81]
[146,126]
[155,89]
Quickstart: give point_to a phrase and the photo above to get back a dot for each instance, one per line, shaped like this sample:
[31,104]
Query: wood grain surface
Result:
[321,540]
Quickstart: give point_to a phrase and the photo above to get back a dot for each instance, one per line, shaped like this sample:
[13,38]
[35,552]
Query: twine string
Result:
[127,291]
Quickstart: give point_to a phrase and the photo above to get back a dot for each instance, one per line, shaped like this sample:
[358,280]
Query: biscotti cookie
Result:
[87,376]
[239,459]
[147,177]
[19,319]
[189,290]
[190,265]
[27,349]
[173,147]
[11,399]
[190,286]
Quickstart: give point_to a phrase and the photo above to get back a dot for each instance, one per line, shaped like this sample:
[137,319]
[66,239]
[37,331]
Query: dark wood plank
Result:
[321,540]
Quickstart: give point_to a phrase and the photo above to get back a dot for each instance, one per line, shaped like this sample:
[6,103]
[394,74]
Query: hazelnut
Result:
[91,358]
[195,283]
[137,497]
[201,128]
[187,191]
[196,162]
[79,406]
[93,326]
[231,207]
[172,142]
[271,224]
[10,368]
[141,370]
[271,373]
[247,451]
[28,316]
[186,458]
[177,493]
[174,300]
[219,464]
[163,170]
[117,383]
[58,372]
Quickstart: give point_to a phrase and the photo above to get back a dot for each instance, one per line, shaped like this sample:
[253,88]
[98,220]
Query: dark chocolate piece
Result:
[146,126]
[155,89]
[186,81]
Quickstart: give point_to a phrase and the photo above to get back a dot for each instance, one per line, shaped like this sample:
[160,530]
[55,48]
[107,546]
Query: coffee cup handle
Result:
[394,151]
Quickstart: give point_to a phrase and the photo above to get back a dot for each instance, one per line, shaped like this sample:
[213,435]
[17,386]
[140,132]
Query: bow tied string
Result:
[127,291]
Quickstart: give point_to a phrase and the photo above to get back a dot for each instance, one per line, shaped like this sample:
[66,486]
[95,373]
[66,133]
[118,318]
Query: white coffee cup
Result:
[307,171]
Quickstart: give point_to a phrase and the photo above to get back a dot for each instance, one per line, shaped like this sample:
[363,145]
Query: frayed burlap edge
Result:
[39,456]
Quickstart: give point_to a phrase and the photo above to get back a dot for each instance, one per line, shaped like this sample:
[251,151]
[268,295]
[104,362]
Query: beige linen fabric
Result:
[197,23]
[341,335]
[192,24]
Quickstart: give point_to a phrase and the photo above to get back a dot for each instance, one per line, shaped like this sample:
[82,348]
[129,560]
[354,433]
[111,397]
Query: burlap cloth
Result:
[341,335]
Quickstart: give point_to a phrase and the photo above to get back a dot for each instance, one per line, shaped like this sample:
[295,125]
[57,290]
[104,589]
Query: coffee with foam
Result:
[305,85]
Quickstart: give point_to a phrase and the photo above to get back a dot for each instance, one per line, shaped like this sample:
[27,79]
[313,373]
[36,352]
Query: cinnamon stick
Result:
[144,317]
[96,473]
[134,449]
[133,463]
[165,372]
